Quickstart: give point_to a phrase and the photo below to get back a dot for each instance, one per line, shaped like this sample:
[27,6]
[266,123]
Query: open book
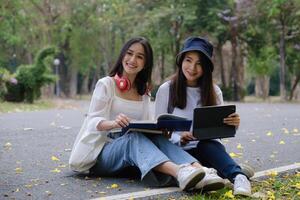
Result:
[164,122]
[208,122]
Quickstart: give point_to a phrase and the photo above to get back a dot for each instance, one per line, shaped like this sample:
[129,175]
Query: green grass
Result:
[8,107]
[285,187]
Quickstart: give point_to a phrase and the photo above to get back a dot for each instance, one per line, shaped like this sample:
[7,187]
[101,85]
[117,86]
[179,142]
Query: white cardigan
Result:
[89,141]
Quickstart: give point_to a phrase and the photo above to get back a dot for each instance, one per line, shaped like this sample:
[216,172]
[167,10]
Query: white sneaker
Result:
[211,181]
[241,185]
[188,176]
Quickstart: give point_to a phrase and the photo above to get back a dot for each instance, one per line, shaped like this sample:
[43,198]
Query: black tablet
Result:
[208,122]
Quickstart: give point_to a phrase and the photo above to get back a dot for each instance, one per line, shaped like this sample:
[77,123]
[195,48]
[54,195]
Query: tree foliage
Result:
[89,35]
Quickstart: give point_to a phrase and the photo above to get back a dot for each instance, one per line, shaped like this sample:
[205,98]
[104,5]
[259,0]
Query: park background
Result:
[62,47]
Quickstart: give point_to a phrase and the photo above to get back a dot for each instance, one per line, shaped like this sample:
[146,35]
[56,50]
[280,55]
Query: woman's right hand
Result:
[121,121]
[186,136]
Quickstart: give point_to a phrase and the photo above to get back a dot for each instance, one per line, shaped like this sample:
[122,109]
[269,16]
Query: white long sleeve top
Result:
[193,96]
[105,105]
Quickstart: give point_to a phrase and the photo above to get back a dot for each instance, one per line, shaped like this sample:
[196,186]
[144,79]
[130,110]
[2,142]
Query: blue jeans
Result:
[211,153]
[138,150]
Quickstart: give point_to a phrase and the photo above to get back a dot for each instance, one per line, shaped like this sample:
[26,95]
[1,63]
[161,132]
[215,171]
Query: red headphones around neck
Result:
[123,83]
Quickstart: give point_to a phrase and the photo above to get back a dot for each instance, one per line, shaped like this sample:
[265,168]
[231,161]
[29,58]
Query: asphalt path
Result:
[35,147]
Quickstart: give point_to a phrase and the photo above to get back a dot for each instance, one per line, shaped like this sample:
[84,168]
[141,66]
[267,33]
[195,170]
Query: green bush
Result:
[31,78]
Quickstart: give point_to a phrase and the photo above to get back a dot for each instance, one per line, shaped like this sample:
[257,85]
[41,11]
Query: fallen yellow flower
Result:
[54,158]
[229,194]
[297,185]
[19,170]
[233,155]
[239,146]
[113,186]
[269,133]
[55,170]
[273,173]
[271,195]
[281,142]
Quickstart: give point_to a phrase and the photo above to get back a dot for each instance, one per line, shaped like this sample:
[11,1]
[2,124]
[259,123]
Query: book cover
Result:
[208,122]
[168,122]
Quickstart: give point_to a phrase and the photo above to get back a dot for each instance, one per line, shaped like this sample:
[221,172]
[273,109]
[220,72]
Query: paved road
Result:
[268,137]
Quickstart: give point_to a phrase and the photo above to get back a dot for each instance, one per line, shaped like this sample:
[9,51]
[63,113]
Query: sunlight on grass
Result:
[8,107]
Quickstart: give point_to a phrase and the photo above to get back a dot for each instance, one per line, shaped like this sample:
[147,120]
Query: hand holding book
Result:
[165,124]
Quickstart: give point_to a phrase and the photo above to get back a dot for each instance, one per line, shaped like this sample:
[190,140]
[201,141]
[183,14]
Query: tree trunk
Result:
[73,82]
[294,87]
[262,86]
[85,85]
[222,71]
[241,72]
[282,62]
[234,69]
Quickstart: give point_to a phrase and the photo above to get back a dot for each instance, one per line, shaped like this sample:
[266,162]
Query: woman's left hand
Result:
[233,120]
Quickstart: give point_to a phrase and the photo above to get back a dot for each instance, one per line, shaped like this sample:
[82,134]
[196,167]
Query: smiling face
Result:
[134,60]
[192,68]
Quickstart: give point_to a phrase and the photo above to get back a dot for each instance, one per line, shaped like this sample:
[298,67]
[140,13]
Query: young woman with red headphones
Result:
[117,99]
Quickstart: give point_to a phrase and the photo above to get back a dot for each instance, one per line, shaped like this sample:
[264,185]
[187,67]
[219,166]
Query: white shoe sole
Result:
[242,193]
[196,177]
[213,186]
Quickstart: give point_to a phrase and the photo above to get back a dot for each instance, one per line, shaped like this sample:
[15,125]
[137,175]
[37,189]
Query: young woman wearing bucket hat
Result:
[192,86]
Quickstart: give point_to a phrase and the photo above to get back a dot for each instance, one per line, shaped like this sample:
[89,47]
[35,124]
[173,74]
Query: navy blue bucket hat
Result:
[197,44]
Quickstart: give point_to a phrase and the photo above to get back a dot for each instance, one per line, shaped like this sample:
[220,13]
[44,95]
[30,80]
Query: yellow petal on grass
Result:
[19,170]
[298,194]
[113,186]
[229,194]
[273,173]
[55,170]
[269,133]
[281,142]
[54,158]
[239,146]
[295,130]
[297,185]
[271,195]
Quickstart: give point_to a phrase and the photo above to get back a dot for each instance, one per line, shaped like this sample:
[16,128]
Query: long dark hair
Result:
[143,78]
[178,87]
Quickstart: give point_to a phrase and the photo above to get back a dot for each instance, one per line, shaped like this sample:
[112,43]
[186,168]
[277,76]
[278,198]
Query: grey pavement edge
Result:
[149,193]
